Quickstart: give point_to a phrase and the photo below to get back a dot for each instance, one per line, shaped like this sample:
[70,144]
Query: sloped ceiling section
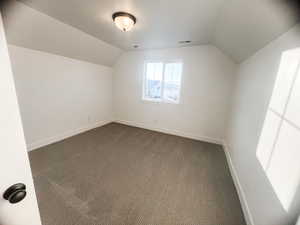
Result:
[238,27]
[246,26]
[160,23]
[32,29]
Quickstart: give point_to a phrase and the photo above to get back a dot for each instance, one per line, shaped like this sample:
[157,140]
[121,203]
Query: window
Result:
[162,81]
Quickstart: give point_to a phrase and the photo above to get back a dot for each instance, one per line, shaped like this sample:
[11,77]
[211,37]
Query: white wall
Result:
[254,85]
[59,96]
[32,29]
[206,85]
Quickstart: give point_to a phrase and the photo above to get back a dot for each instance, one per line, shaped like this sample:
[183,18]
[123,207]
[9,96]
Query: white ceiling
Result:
[160,23]
[238,27]
[29,28]
[246,26]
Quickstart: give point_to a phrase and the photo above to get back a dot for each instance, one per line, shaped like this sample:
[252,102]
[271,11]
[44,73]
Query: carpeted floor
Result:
[122,175]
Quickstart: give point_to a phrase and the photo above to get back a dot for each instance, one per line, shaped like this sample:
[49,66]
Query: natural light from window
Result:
[162,81]
[279,145]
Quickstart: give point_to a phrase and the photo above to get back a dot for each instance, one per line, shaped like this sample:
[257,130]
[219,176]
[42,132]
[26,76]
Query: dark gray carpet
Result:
[124,175]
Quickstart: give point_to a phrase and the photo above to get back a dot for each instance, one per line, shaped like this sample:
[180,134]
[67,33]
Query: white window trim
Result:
[162,100]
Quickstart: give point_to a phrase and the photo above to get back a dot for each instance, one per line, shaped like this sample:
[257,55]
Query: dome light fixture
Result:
[124,21]
[184,42]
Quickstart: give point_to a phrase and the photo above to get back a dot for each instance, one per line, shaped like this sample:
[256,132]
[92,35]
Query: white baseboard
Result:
[59,137]
[171,131]
[56,138]
[239,188]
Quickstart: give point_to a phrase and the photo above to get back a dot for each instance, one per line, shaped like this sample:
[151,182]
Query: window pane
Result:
[153,81]
[172,81]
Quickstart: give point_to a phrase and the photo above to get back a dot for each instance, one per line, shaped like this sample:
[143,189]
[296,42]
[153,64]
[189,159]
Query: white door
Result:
[14,163]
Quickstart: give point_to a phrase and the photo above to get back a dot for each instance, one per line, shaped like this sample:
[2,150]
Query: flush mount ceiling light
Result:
[124,21]
[184,42]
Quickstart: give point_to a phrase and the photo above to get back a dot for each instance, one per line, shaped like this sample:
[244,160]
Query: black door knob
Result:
[15,193]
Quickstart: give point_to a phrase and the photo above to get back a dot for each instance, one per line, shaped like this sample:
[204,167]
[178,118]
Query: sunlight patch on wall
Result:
[279,145]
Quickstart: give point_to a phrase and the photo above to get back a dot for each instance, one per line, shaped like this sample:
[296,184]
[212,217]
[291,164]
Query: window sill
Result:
[159,101]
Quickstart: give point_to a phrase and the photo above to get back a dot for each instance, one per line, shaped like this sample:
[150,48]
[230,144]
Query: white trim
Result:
[238,186]
[67,134]
[172,132]
[57,138]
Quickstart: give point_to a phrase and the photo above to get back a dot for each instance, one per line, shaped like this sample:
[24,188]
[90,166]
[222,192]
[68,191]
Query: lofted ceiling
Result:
[29,28]
[160,23]
[238,27]
[245,26]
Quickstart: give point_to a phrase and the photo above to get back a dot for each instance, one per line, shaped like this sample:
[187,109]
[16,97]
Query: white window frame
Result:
[162,99]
